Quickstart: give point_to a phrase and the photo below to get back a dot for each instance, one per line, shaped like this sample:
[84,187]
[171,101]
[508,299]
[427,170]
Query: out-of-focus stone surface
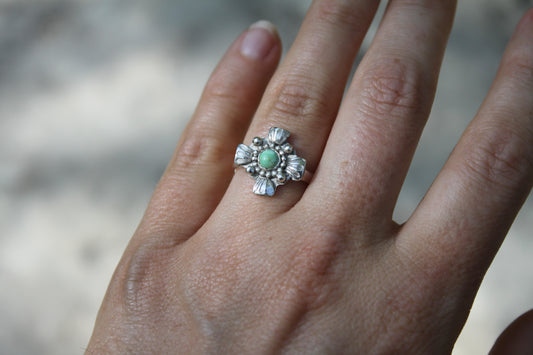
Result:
[93,97]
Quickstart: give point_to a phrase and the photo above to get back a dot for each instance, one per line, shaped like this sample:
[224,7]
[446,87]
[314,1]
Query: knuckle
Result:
[223,276]
[221,87]
[199,149]
[500,159]
[392,88]
[144,272]
[297,100]
[313,268]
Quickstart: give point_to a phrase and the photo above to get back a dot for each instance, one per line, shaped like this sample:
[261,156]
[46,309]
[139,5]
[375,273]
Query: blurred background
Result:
[94,96]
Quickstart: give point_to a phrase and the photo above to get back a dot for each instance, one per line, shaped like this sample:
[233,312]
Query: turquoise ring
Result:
[271,161]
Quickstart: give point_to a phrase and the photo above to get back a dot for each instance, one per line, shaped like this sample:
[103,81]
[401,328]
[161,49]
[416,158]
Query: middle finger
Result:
[374,137]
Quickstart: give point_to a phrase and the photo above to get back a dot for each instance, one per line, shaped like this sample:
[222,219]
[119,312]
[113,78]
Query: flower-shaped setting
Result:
[270,161]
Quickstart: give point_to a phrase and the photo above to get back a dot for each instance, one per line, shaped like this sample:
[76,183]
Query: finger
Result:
[197,175]
[381,119]
[463,219]
[305,92]
[516,338]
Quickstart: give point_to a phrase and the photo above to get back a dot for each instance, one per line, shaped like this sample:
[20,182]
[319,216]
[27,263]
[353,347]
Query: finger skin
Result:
[201,168]
[304,94]
[381,119]
[458,227]
[517,338]
[189,190]
[233,291]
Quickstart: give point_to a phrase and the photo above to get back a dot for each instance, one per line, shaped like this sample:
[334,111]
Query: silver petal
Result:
[295,167]
[264,186]
[243,155]
[278,135]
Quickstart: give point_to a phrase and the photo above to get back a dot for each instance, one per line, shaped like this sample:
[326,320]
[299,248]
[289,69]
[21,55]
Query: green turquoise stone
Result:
[269,159]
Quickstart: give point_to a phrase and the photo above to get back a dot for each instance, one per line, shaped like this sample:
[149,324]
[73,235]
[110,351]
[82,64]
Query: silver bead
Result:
[250,170]
[257,141]
[287,148]
[262,173]
[281,177]
[283,165]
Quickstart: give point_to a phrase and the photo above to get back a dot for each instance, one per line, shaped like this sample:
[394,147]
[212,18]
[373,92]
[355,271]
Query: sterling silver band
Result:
[272,162]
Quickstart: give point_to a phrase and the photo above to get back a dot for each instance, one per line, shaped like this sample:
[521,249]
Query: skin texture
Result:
[322,268]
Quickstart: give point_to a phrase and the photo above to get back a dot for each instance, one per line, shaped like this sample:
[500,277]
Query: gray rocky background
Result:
[93,97]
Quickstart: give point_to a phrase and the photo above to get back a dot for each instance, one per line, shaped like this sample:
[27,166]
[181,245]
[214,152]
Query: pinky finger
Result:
[467,212]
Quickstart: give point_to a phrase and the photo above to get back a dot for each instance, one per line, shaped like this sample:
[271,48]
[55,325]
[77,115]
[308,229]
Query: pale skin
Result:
[322,267]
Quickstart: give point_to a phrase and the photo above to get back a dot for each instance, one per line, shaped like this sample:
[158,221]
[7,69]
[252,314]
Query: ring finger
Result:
[304,94]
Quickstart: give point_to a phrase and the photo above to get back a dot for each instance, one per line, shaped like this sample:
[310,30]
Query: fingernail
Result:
[259,40]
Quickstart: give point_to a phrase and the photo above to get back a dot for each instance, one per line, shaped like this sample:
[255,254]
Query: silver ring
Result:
[271,162]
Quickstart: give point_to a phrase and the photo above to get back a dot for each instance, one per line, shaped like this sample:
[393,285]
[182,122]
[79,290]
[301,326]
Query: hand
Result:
[322,268]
